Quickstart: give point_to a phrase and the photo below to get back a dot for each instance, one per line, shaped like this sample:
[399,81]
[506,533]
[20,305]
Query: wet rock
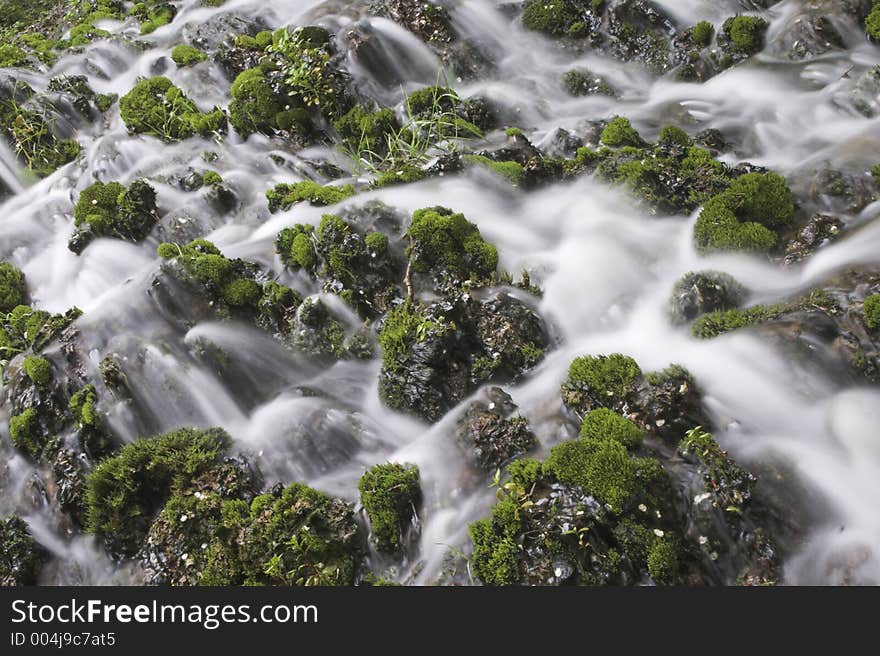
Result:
[865,95]
[70,469]
[490,434]
[427,21]
[20,555]
[561,143]
[435,354]
[819,230]
[697,293]
[641,31]
[809,33]
[841,191]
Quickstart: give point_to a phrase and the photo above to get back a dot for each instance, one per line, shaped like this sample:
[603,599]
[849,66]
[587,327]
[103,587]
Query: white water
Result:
[606,269]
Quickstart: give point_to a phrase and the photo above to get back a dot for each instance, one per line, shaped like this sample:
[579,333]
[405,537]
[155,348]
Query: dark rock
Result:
[489,434]
[705,291]
[819,230]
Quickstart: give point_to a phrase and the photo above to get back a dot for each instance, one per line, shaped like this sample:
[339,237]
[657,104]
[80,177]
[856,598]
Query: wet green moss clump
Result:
[25,327]
[184,55]
[153,14]
[112,210]
[20,555]
[871,310]
[284,196]
[872,23]
[12,287]
[391,494]
[583,82]
[604,424]
[360,268]
[444,241]
[560,17]
[366,133]
[600,380]
[94,437]
[126,491]
[620,132]
[746,33]
[27,434]
[702,33]
[719,322]
[38,369]
[511,171]
[155,106]
[746,216]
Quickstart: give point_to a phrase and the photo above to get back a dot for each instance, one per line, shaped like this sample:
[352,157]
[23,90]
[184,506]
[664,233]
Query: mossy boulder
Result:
[871,310]
[445,243]
[113,210]
[361,267]
[127,491]
[391,494]
[185,55]
[746,33]
[746,216]
[20,555]
[284,196]
[156,107]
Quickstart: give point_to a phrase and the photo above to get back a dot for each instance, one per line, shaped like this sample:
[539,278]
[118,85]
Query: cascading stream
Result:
[605,265]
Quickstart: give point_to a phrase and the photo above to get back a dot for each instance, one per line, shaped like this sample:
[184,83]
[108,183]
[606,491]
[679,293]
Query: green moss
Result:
[153,14]
[399,175]
[12,287]
[212,179]
[872,23]
[509,170]
[155,106]
[619,132]
[125,492]
[398,331]
[20,555]
[871,310]
[722,321]
[26,433]
[605,378]
[363,131]
[672,135]
[112,210]
[514,132]
[83,405]
[428,101]
[376,243]
[605,470]
[525,472]
[583,82]
[32,137]
[210,268]
[11,55]
[284,196]
[184,55]
[442,239]
[746,33]
[604,424]
[255,105]
[495,559]
[390,493]
[38,369]
[242,292]
[554,17]
[296,246]
[702,33]
[26,327]
[664,561]
[745,215]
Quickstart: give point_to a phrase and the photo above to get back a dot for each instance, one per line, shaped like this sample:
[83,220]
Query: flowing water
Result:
[606,268]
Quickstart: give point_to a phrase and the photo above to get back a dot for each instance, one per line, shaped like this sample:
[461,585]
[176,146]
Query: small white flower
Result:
[183,518]
[659,533]
[703,539]
[643,507]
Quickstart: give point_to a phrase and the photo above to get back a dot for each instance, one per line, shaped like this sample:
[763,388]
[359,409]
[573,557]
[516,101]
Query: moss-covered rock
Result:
[27,434]
[601,381]
[126,491]
[284,196]
[697,293]
[38,369]
[12,287]
[153,14]
[603,424]
[20,555]
[746,33]
[94,437]
[445,242]
[391,494]
[723,321]
[871,310]
[185,55]
[619,132]
[746,216]
[155,106]
[112,210]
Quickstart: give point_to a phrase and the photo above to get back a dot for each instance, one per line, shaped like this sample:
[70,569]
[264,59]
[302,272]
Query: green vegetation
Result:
[557,17]
[871,309]
[702,33]
[126,491]
[746,33]
[12,287]
[153,14]
[20,555]
[27,435]
[604,424]
[746,215]
[602,378]
[184,55]
[872,22]
[672,135]
[38,369]
[722,321]
[443,240]
[511,171]
[284,196]
[112,210]
[399,329]
[390,493]
[155,106]
[619,132]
